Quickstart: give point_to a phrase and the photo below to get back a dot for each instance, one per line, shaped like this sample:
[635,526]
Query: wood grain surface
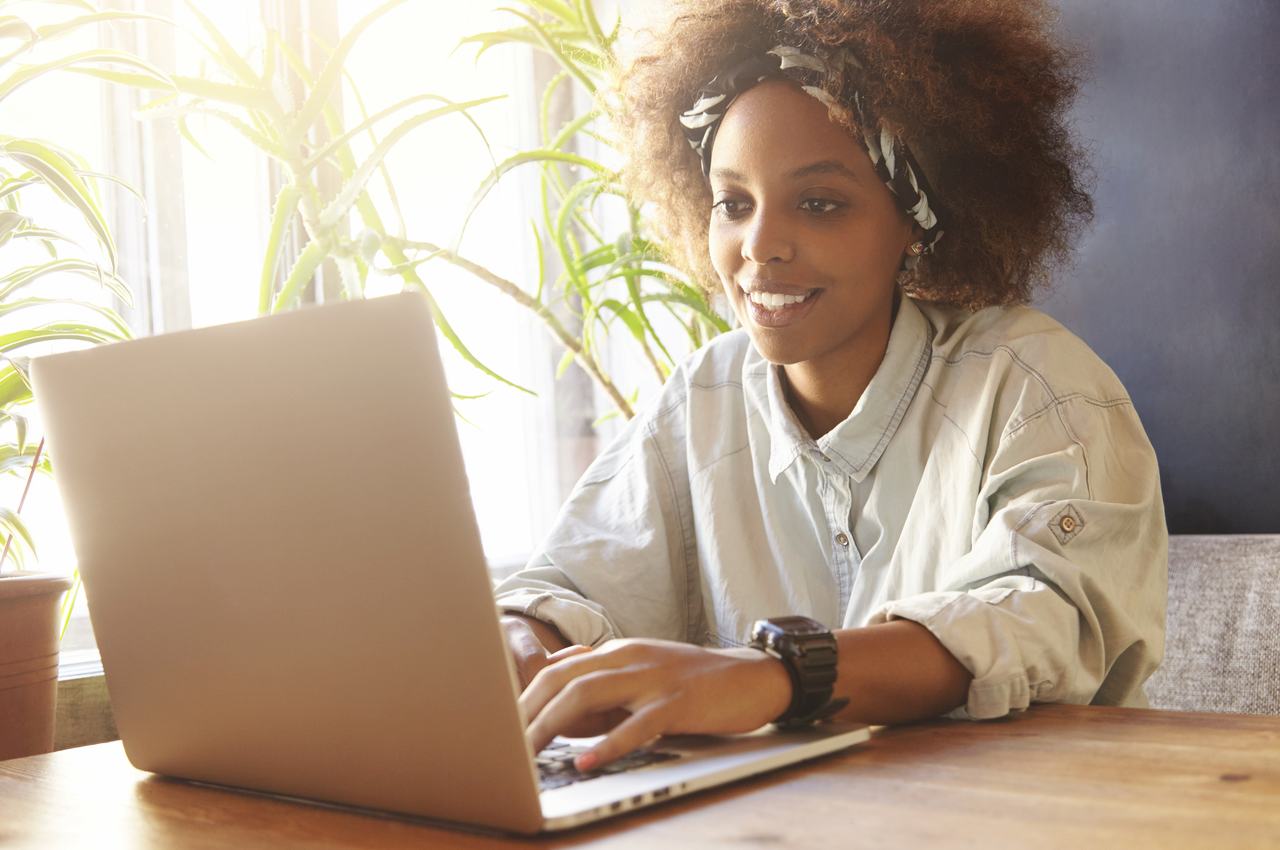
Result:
[1055,776]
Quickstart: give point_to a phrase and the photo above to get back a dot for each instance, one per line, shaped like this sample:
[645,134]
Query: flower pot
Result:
[28,661]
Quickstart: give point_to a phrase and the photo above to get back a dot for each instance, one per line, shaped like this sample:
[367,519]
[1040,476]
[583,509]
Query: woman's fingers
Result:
[567,652]
[646,724]
[587,695]
[555,677]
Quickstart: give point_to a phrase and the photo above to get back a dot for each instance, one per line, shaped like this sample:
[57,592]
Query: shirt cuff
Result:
[575,618]
[1012,642]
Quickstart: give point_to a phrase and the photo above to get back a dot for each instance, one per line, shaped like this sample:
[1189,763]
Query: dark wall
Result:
[1177,286]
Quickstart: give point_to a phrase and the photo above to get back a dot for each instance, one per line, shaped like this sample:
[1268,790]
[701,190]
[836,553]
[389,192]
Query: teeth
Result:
[774,301]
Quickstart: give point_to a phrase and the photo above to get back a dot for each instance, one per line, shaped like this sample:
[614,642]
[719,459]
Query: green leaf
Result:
[396,107]
[487,40]
[388,183]
[352,280]
[14,388]
[566,360]
[184,130]
[27,275]
[303,268]
[56,331]
[544,106]
[17,536]
[587,12]
[556,50]
[542,264]
[556,8]
[338,207]
[223,51]
[61,176]
[111,178]
[628,316]
[16,460]
[11,26]
[286,203]
[513,162]
[83,61]
[259,99]
[48,32]
[44,234]
[8,187]
[69,603]
[10,221]
[580,192]
[331,76]
[268,145]
[112,317]
[451,335]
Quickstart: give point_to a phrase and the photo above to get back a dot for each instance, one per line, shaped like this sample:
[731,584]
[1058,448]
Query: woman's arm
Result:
[890,673]
[897,672]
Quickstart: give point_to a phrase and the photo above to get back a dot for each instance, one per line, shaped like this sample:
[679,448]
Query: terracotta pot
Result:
[28,661]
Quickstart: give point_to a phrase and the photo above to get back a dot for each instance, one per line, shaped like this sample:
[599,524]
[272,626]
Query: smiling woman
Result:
[894,492]
[783,176]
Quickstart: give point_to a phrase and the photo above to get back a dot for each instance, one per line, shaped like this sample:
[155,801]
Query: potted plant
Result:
[595,272]
[34,606]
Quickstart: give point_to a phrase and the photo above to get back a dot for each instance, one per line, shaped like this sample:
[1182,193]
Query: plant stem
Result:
[511,290]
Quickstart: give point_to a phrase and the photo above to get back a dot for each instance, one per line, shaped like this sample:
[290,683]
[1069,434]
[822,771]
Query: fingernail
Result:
[588,761]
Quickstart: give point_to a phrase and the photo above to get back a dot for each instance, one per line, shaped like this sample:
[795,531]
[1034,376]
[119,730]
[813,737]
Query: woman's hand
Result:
[534,645]
[636,690]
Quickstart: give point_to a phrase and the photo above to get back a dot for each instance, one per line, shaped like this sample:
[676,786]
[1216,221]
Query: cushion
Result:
[1222,650]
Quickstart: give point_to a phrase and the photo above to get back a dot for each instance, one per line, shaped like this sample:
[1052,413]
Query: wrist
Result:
[768,680]
[545,633]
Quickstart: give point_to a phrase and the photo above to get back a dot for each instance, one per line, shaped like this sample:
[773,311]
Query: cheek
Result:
[722,250]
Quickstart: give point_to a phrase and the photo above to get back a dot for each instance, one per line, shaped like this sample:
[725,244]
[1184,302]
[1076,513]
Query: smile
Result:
[775,310]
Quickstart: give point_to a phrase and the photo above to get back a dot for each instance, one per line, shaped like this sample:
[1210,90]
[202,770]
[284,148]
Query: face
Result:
[804,236]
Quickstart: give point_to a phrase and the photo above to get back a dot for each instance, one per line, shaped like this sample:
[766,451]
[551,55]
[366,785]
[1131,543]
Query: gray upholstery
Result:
[1222,651]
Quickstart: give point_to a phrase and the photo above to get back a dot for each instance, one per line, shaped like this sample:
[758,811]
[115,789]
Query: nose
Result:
[767,240]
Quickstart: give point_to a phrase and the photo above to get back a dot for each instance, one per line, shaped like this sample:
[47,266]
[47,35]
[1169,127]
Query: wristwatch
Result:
[808,650]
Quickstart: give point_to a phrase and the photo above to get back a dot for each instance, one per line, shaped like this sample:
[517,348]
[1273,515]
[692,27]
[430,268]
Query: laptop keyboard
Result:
[555,764]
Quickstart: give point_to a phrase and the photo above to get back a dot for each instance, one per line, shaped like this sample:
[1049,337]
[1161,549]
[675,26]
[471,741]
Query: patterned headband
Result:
[890,156]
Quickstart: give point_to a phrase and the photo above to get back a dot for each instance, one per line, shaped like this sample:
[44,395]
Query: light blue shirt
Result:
[993,484]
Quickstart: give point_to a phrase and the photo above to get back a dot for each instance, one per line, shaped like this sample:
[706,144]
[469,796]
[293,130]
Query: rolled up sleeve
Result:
[1062,596]
[619,559]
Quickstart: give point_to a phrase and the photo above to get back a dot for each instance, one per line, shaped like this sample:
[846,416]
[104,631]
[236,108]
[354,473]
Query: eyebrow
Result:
[826,166]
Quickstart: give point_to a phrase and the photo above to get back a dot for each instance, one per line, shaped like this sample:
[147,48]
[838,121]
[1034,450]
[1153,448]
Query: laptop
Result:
[285,577]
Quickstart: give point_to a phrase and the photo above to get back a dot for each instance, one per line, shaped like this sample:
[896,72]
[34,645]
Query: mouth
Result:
[778,309]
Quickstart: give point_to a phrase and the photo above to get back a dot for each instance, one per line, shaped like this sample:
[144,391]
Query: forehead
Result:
[775,127]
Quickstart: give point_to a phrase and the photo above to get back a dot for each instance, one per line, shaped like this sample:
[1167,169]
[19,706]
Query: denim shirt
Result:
[993,484]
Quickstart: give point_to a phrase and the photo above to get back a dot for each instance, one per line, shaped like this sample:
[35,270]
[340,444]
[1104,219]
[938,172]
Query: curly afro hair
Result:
[980,89]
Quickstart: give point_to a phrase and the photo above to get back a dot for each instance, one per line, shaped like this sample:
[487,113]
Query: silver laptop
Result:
[286,581]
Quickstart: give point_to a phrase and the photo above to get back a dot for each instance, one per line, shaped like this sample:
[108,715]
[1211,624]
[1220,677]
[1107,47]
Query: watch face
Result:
[799,626]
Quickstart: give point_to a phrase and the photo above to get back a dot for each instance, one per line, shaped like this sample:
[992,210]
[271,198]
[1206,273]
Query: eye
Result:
[730,208]
[820,206]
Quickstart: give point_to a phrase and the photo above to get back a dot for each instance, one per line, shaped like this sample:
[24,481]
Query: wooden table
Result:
[1056,776]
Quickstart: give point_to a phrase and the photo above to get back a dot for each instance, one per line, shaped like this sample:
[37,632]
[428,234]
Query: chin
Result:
[780,352]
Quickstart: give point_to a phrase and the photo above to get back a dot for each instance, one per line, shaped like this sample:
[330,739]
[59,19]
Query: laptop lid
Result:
[282,565]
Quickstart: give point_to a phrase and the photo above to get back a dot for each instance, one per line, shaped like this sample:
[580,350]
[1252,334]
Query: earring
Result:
[917,248]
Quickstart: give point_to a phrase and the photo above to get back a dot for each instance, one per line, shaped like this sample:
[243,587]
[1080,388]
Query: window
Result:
[194,258]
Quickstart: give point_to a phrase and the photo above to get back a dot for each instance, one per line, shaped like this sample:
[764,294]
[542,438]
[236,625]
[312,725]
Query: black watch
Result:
[808,650]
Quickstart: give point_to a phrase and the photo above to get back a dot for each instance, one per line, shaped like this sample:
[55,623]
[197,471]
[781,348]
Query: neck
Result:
[823,392]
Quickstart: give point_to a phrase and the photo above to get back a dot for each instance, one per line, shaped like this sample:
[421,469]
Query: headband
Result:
[890,156]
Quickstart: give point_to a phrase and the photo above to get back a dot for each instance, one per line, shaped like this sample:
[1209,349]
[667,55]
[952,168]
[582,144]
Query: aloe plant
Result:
[606,276]
[28,166]
[608,273]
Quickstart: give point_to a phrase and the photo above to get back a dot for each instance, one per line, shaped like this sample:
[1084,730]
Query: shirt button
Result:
[1068,524]
[825,459]
[842,539]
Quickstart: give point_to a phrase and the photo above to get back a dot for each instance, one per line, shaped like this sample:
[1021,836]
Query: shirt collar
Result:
[855,444]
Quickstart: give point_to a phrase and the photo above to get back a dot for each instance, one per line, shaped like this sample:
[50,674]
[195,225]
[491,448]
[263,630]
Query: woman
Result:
[954,489]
